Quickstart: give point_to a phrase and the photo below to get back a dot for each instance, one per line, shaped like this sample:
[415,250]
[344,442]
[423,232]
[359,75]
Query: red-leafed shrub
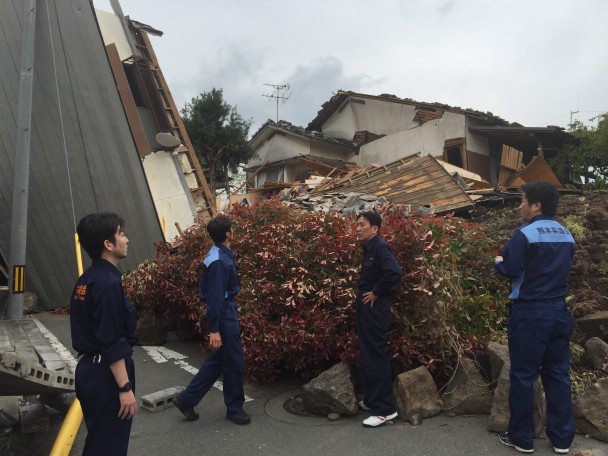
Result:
[298,274]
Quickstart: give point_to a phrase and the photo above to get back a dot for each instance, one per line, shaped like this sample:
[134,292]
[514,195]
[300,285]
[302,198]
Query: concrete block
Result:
[161,399]
[34,418]
[55,365]
[9,410]
[19,376]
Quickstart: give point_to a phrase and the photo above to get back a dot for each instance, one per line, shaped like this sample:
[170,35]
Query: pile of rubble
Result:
[346,203]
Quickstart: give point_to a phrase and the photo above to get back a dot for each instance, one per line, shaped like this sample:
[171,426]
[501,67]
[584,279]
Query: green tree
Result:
[588,158]
[218,133]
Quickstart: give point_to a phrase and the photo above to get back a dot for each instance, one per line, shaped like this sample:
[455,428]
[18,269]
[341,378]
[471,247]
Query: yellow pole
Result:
[71,423]
[69,429]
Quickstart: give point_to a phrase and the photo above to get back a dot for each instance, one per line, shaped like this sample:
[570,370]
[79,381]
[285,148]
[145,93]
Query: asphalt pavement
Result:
[276,432]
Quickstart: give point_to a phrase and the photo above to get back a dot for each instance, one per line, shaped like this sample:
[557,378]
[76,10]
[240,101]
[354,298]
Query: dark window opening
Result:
[454,156]
[132,79]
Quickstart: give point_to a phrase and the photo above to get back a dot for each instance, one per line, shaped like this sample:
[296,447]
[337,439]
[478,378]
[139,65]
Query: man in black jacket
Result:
[380,277]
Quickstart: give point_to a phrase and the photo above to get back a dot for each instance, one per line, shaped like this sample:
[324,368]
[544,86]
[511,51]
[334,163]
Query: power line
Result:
[279,92]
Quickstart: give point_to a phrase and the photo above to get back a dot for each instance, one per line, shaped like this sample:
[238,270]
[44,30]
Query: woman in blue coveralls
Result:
[103,333]
[218,287]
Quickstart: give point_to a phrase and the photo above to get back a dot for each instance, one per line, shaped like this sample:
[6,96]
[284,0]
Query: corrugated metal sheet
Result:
[105,169]
[414,180]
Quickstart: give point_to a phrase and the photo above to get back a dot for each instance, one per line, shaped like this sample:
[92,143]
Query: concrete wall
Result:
[428,139]
[376,116]
[280,147]
[173,202]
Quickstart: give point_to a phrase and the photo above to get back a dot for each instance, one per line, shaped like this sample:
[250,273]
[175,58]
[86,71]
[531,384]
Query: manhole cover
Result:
[295,406]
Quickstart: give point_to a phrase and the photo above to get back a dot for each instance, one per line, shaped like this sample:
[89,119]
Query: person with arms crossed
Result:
[218,286]
[537,260]
[103,330]
[379,279]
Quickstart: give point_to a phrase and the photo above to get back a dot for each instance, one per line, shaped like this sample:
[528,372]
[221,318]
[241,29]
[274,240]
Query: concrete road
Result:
[274,431]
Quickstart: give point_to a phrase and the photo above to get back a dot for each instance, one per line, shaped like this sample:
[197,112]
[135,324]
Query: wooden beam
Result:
[250,177]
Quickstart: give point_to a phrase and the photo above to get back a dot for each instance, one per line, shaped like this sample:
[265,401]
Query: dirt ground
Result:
[586,216]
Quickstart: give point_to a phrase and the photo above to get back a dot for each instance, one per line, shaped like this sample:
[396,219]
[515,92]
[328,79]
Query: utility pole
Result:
[276,93]
[22,167]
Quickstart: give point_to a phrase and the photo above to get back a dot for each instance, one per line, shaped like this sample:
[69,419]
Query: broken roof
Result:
[334,103]
[270,128]
[419,181]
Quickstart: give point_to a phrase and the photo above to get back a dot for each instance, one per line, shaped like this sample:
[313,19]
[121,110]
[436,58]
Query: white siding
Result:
[171,200]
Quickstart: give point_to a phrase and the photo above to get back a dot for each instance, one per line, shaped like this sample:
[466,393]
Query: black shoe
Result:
[186,409]
[505,440]
[239,418]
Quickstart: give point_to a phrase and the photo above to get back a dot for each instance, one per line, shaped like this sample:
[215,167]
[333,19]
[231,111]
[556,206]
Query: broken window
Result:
[455,152]
[270,175]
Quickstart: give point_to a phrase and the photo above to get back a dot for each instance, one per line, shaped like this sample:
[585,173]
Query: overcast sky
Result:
[527,61]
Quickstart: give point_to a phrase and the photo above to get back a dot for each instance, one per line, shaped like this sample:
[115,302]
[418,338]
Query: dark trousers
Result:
[372,329]
[539,344]
[227,360]
[97,391]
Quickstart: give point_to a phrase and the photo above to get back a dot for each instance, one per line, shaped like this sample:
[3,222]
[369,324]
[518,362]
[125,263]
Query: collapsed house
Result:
[480,150]
[110,99]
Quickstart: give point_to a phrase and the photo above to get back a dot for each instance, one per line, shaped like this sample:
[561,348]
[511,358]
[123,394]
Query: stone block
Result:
[498,421]
[331,392]
[415,393]
[594,325]
[597,350]
[590,410]
[9,410]
[468,392]
[33,418]
[160,400]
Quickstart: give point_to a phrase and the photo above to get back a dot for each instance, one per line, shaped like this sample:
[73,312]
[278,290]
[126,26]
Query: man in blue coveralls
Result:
[103,332]
[537,259]
[380,277]
[219,284]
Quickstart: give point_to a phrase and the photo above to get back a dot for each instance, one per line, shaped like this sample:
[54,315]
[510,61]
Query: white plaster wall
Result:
[477,143]
[383,117]
[376,116]
[280,148]
[340,124]
[428,139]
[112,32]
[169,195]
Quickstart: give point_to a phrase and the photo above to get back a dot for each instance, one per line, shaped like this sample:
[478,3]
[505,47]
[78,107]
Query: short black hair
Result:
[543,193]
[373,218]
[218,227]
[94,229]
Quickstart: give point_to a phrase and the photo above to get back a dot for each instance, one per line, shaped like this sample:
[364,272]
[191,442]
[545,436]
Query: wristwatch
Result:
[125,388]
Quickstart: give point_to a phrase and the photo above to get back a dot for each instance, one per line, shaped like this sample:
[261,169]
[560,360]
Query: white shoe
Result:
[374,421]
[362,406]
[561,450]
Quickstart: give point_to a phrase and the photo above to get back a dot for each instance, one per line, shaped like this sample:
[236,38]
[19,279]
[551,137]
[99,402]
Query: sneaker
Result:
[186,409]
[505,440]
[362,406]
[561,450]
[374,421]
[239,418]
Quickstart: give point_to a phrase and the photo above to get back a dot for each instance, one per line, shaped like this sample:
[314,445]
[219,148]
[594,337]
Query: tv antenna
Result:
[279,92]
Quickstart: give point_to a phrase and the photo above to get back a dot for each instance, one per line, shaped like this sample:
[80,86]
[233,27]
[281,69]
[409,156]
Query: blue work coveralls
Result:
[103,329]
[537,259]
[381,274]
[219,284]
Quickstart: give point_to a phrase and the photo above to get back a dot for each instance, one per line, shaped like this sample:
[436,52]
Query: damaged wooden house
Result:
[354,129]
